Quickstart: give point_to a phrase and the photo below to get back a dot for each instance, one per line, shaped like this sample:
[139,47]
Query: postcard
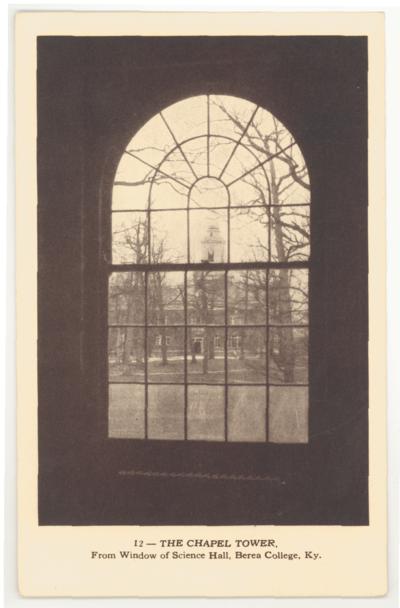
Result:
[201,304]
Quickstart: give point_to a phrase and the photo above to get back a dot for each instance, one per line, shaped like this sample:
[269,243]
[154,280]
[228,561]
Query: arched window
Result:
[208,282]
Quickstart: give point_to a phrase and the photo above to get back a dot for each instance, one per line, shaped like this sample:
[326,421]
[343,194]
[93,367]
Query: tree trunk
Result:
[211,345]
[164,347]
[286,347]
[161,308]
[133,347]
[192,347]
[245,315]
[205,352]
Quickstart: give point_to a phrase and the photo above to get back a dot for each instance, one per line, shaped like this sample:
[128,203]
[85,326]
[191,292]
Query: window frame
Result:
[225,267]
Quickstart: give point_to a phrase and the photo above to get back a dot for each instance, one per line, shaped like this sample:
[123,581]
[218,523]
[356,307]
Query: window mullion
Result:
[226,355]
[267,357]
[185,354]
[146,328]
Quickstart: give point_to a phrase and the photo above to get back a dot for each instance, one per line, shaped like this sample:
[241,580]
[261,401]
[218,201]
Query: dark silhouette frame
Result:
[93,94]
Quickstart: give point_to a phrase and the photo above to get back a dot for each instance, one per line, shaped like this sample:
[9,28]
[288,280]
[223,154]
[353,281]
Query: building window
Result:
[208,281]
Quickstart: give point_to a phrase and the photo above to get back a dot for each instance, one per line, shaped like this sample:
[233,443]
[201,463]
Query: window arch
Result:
[208,282]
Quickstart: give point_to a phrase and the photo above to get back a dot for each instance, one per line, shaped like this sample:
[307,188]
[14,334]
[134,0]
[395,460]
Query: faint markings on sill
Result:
[212,476]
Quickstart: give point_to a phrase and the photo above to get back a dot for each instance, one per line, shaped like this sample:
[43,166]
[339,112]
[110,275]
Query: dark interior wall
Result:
[93,95]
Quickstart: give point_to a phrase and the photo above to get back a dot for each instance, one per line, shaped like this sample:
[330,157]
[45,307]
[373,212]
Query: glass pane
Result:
[246,355]
[195,152]
[288,414]
[288,296]
[290,233]
[131,184]
[288,355]
[220,152]
[208,235]
[246,413]
[209,192]
[206,297]
[249,234]
[126,354]
[126,298]
[252,190]
[168,194]
[129,238]
[266,135]
[166,412]
[205,355]
[168,237]
[241,166]
[229,115]
[152,142]
[247,297]
[166,354]
[187,118]
[206,413]
[126,411]
[178,169]
[287,172]
[165,298]
[128,195]
[294,187]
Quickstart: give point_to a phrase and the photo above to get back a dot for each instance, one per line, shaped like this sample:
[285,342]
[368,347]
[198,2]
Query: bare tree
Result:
[286,174]
[127,292]
[280,186]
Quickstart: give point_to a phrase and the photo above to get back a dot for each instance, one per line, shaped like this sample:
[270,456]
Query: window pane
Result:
[263,132]
[126,354]
[129,238]
[178,170]
[247,297]
[246,355]
[241,167]
[292,191]
[249,234]
[165,298]
[166,412]
[126,411]
[208,235]
[206,413]
[188,118]
[128,195]
[167,194]
[131,184]
[252,190]
[206,297]
[168,237]
[288,414]
[206,359]
[126,298]
[220,152]
[208,192]
[165,353]
[288,361]
[229,115]
[290,233]
[152,142]
[246,413]
[195,152]
[288,296]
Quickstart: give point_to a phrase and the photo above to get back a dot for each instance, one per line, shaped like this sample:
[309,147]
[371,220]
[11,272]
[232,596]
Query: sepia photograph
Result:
[202,280]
